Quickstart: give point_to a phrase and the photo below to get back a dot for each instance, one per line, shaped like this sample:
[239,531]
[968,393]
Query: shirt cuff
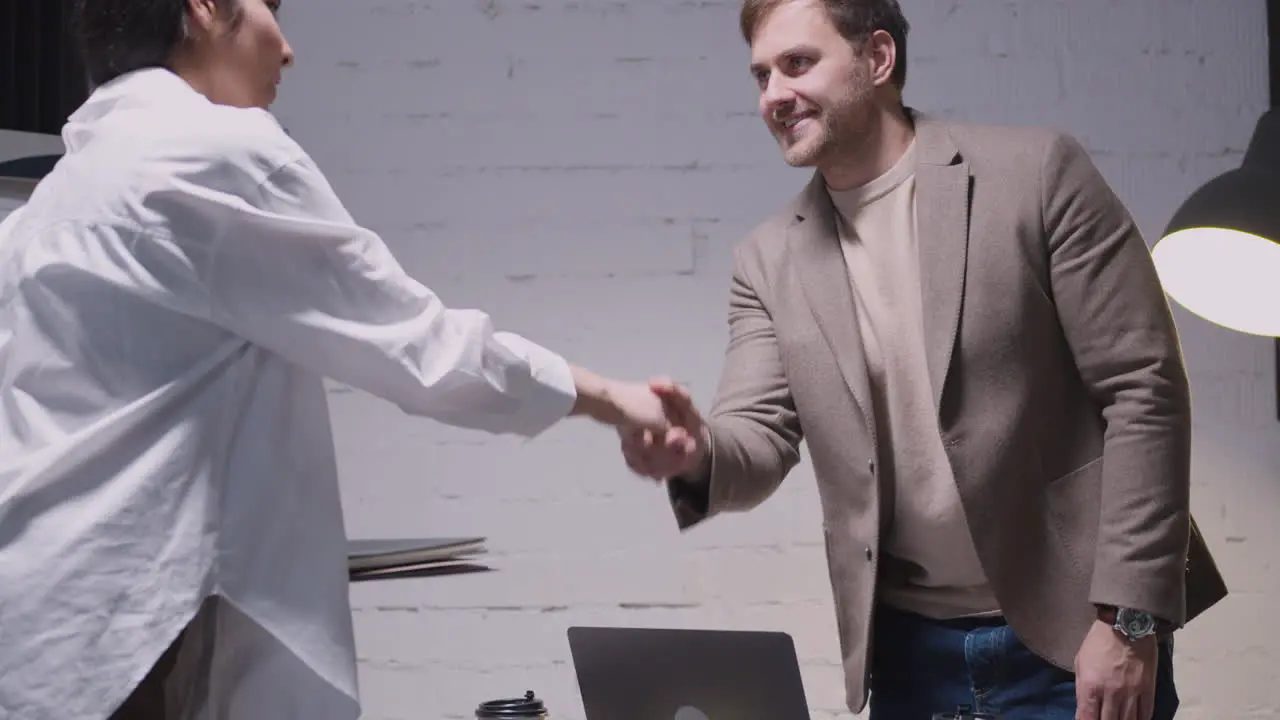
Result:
[552,392]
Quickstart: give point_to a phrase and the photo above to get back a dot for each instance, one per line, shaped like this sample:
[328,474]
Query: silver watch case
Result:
[1134,624]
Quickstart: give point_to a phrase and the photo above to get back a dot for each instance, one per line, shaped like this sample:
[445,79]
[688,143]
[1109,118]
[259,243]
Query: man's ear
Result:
[882,51]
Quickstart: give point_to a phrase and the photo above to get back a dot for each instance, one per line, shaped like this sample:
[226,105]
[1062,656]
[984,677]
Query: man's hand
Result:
[680,450]
[1115,678]
[637,408]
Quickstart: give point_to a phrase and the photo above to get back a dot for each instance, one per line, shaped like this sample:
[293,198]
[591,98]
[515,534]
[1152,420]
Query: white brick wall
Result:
[580,169]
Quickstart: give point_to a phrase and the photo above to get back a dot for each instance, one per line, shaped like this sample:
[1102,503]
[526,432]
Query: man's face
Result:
[244,57]
[815,88]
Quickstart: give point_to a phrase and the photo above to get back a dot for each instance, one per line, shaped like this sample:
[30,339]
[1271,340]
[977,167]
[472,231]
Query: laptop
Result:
[669,674]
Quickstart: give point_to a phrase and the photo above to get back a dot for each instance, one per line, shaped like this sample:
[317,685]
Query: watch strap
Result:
[1110,615]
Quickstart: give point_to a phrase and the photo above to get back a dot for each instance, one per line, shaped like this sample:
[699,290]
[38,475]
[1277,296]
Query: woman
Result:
[171,298]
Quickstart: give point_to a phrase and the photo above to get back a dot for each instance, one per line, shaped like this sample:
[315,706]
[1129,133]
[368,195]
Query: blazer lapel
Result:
[942,218]
[942,212]
[815,243]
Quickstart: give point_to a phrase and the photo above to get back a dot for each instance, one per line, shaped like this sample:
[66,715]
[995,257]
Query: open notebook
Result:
[376,558]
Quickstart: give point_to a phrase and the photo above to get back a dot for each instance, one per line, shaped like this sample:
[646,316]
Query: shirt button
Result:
[871,466]
[870,555]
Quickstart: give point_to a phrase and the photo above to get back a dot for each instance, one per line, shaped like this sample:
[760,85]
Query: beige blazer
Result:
[1056,370]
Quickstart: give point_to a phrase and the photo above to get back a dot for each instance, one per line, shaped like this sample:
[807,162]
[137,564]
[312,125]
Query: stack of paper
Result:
[375,559]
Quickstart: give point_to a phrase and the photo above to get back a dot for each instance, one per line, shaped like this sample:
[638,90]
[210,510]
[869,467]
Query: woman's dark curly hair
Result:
[119,36]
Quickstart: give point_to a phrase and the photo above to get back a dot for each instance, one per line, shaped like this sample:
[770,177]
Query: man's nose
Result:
[777,94]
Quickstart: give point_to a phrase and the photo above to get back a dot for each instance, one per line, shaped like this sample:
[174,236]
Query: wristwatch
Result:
[1132,624]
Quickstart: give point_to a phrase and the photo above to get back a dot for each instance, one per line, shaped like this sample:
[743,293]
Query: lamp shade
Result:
[33,167]
[18,179]
[14,192]
[25,158]
[1220,255]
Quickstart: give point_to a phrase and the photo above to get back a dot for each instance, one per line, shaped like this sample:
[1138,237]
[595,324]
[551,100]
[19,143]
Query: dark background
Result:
[41,81]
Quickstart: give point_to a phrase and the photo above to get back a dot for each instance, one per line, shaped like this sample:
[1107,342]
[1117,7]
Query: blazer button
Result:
[871,466]
[870,555]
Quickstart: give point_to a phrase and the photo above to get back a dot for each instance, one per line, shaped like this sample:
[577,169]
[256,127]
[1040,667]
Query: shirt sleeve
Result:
[290,271]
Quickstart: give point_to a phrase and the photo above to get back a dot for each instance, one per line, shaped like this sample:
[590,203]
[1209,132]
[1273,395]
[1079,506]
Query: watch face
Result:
[1135,623]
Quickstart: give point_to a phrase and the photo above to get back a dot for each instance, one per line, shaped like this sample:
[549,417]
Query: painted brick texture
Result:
[580,169]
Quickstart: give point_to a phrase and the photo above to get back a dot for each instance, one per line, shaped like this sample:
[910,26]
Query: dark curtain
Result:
[41,81]
[1273,43]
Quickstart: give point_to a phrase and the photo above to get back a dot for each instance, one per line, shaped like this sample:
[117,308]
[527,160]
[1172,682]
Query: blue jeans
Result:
[921,666]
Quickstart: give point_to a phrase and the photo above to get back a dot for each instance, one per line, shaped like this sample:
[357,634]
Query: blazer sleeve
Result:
[285,267]
[755,431]
[1121,332]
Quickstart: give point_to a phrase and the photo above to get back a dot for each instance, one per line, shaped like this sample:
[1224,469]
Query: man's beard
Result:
[838,130]
[816,144]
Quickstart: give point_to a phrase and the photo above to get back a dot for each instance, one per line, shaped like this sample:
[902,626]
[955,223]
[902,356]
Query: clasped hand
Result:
[680,448]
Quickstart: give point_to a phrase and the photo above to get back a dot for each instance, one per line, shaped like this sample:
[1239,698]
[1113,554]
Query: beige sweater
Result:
[929,563]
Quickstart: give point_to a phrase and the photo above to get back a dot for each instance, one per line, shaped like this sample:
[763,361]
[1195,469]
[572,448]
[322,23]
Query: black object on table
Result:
[528,706]
[637,673]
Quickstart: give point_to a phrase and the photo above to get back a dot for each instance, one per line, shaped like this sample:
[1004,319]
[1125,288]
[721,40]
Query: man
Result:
[173,294]
[965,325]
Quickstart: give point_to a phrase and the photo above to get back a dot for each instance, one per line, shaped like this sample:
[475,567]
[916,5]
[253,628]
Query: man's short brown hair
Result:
[855,19]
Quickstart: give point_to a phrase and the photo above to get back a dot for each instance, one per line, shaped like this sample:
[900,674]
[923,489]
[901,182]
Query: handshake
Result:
[662,433]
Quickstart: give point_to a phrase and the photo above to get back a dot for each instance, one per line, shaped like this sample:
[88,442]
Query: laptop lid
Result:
[672,674]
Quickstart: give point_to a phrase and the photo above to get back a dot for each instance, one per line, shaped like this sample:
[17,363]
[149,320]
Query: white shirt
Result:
[170,299]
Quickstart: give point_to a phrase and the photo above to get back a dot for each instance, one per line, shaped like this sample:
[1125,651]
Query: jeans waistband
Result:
[965,623]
